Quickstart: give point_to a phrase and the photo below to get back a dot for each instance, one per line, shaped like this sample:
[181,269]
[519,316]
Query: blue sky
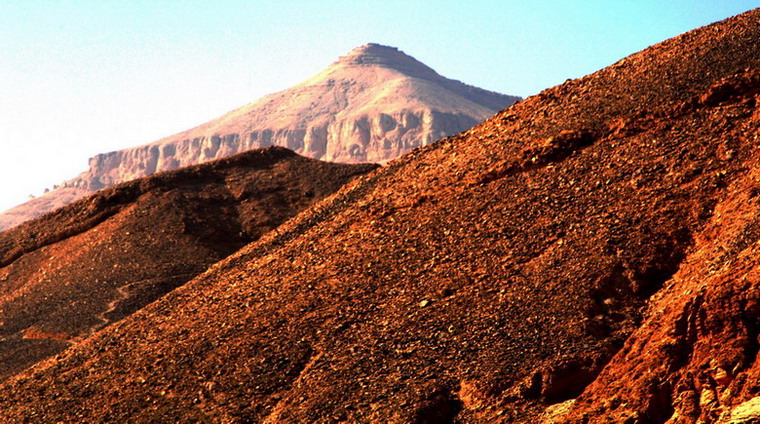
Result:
[79,78]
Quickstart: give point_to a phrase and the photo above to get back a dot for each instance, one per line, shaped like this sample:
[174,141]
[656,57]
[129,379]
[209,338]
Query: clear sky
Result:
[79,78]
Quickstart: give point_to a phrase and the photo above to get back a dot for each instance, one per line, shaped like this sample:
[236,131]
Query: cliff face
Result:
[377,139]
[372,105]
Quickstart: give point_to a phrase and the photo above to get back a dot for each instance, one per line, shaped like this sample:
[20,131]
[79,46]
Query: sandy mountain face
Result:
[589,255]
[372,105]
[68,274]
[38,206]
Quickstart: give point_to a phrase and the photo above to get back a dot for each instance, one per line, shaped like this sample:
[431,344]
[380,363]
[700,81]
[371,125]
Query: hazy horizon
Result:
[82,77]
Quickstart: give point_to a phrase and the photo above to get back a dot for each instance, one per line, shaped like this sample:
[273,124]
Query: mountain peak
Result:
[372,51]
[325,117]
[373,54]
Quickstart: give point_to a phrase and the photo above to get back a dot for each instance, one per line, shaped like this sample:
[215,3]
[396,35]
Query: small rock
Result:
[707,397]
[722,377]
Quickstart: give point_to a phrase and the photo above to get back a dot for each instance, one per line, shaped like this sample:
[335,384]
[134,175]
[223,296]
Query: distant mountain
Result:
[38,206]
[74,271]
[589,255]
[372,105]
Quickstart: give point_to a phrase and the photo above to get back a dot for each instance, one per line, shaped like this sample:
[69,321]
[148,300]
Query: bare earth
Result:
[68,274]
[589,255]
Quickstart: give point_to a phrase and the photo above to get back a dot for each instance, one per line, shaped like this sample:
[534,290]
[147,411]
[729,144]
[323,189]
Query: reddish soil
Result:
[587,255]
[71,273]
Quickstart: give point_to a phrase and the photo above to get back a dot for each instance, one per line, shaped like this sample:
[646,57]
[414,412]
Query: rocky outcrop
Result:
[372,105]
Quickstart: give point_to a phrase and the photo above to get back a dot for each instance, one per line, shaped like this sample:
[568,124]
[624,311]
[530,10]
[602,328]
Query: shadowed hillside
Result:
[68,274]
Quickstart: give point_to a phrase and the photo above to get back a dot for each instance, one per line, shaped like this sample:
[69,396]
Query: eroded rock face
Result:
[366,139]
[372,105]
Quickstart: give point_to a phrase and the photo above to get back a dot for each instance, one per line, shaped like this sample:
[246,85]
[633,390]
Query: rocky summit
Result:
[588,255]
[372,105]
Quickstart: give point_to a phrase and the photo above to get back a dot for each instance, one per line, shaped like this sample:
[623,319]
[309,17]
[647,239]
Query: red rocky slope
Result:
[73,272]
[492,277]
